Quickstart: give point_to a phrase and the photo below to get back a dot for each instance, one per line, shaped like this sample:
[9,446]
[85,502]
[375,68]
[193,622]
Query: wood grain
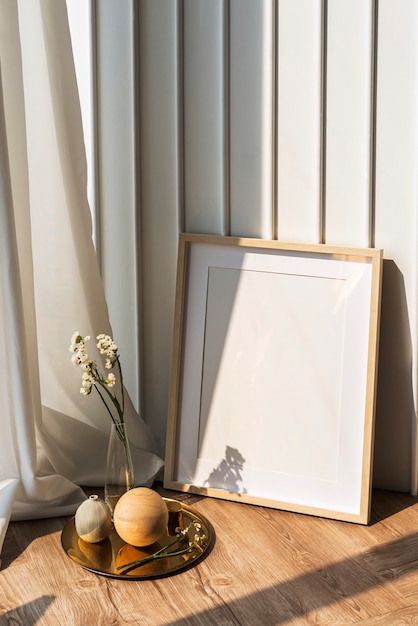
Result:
[266,567]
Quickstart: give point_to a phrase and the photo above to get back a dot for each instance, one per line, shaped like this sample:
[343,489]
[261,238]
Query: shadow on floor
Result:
[28,614]
[346,582]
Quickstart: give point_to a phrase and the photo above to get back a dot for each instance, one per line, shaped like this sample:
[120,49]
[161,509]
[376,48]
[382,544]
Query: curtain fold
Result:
[53,439]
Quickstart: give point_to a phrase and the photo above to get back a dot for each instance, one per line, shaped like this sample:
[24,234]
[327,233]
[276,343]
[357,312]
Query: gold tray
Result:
[106,556]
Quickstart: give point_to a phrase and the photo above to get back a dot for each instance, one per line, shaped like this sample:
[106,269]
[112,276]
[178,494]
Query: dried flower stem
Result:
[197,541]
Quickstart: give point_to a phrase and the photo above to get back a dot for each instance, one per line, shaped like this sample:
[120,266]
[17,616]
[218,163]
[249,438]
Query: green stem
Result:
[121,434]
[112,397]
[106,405]
[160,554]
[121,385]
[150,555]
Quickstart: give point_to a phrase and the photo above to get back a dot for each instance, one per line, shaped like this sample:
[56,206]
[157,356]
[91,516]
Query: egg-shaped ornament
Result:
[140,516]
[93,520]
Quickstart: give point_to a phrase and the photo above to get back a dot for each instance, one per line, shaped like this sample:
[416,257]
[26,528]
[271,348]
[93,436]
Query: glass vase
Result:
[119,468]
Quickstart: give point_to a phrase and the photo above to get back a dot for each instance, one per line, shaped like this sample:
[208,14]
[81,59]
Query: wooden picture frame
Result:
[273,376]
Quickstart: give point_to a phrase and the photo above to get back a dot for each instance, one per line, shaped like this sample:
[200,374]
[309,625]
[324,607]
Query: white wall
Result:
[294,119]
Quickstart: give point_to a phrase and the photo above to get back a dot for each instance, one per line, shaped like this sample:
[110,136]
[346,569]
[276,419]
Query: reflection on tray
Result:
[113,557]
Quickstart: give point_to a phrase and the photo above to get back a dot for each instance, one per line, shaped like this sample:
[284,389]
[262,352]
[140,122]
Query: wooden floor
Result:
[266,567]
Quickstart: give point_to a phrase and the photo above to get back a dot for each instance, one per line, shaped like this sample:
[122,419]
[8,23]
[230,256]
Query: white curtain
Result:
[53,439]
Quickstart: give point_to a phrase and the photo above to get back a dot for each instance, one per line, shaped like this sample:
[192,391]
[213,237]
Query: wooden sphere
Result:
[140,516]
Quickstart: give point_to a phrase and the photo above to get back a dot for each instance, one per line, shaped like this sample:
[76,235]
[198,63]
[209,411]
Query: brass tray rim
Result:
[69,528]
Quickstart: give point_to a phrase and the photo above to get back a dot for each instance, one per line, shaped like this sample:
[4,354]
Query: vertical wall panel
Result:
[397,232]
[227,86]
[161,202]
[251,117]
[205,116]
[348,128]
[117,179]
[299,126]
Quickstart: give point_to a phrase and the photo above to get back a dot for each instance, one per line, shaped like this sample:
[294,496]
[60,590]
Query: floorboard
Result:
[266,568]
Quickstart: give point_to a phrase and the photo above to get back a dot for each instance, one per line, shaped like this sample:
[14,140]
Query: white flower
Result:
[107,346]
[93,378]
[192,535]
[88,379]
[75,340]
[110,380]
